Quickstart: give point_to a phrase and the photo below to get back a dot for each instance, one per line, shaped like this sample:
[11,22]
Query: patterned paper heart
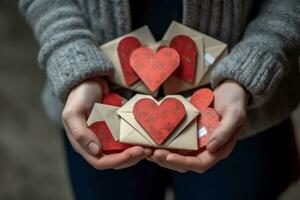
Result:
[125,48]
[159,121]
[154,67]
[187,50]
[108,144]
[202,98]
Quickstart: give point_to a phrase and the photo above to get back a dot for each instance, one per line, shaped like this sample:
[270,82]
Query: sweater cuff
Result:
[257,71]
[73,63]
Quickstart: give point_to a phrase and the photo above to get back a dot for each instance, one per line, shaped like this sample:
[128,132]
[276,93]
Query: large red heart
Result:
[187,51]
[154,67]
[108,143]
[159,120]
[125,48]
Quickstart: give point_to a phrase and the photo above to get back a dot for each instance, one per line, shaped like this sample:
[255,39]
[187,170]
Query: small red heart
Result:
[125,48]
[154,68]
[187,50]
[210,119]
[202,98]
[113,99]
[108,143]
[159,120]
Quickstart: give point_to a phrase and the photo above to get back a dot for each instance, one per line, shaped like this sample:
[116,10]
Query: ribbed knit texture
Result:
[262,44]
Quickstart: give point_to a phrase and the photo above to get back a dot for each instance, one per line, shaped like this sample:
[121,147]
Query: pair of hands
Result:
[230,102]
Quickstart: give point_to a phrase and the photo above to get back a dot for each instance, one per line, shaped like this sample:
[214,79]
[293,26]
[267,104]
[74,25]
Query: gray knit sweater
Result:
[264,46]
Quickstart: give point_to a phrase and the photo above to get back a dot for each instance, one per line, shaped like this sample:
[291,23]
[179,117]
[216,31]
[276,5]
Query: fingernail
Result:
[212,146]
[93,148]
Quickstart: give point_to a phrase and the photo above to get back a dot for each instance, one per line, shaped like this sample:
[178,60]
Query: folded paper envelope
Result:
[109,49]
[209,52]
[183,137]
[107,113]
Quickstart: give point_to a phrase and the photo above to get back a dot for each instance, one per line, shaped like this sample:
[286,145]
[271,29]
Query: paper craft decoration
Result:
[108,143]
[159,120]
[125,48]
[208,119]
[202,98]
[182,137]
[187,49]
[113,99]
[209,53]
[105,123]
[110,51]
[191,45]
[154,67]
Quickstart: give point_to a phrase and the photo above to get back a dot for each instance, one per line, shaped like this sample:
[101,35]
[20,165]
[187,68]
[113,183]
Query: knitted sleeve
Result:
[260,60]
[68,50]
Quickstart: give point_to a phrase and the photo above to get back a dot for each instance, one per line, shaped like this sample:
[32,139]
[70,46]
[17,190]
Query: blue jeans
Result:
[260,167]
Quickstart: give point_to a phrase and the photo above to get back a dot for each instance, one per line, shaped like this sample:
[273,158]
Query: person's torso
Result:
[225,20]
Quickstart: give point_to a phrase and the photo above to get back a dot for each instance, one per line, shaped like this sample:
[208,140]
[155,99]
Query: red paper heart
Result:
[159,120]
[202,98]
[125,48]
[108,143]
[113,99]
[187,51]
[210,119]
[154,68]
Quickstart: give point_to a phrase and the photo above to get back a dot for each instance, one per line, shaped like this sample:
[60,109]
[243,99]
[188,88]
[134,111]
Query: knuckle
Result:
[67,112]
[78,135]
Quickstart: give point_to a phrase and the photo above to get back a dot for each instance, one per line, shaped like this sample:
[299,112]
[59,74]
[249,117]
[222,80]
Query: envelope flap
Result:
[128,106]
[126,113]
[130,135]
[107,113]
[214,53]
[130,119]
[188,139]
[179,29]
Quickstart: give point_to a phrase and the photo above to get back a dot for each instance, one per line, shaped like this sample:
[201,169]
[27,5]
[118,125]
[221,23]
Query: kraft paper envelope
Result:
[183,137]
[107,113]
[209,53]
[109,49]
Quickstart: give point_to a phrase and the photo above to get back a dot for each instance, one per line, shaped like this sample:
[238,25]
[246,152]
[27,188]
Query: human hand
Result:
[230,102]
[76,111]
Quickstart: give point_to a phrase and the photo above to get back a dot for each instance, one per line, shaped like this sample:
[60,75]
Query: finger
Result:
[99,162]
[204,160]
[76,124]
[159,157]
[136,155]
[230,122]
[189,163]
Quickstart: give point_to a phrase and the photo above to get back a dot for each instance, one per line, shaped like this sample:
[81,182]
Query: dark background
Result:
[32,162]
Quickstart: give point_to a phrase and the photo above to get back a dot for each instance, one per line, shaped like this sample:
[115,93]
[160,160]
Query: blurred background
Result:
[32,164]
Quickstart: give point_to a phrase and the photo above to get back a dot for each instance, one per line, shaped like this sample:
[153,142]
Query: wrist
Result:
[238,87]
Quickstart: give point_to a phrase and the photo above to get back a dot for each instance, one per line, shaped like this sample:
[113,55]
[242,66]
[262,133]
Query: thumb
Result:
[76,127]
